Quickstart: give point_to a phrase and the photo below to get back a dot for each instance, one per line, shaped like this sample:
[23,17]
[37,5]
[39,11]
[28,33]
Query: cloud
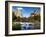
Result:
[19,8]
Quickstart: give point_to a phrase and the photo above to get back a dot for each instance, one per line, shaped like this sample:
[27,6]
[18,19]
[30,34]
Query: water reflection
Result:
[26,26]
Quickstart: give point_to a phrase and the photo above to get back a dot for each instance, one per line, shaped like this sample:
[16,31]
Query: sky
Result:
[26,11]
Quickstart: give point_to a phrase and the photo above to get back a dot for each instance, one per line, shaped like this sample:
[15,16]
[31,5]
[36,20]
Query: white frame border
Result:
[10,18]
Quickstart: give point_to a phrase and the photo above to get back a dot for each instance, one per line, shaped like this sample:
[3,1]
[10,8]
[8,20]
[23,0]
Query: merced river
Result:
[26,25]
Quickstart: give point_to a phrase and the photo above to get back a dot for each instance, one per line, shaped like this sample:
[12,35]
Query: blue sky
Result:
[26,11]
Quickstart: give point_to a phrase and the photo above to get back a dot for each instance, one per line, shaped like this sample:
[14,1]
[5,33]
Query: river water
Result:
[26,26]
